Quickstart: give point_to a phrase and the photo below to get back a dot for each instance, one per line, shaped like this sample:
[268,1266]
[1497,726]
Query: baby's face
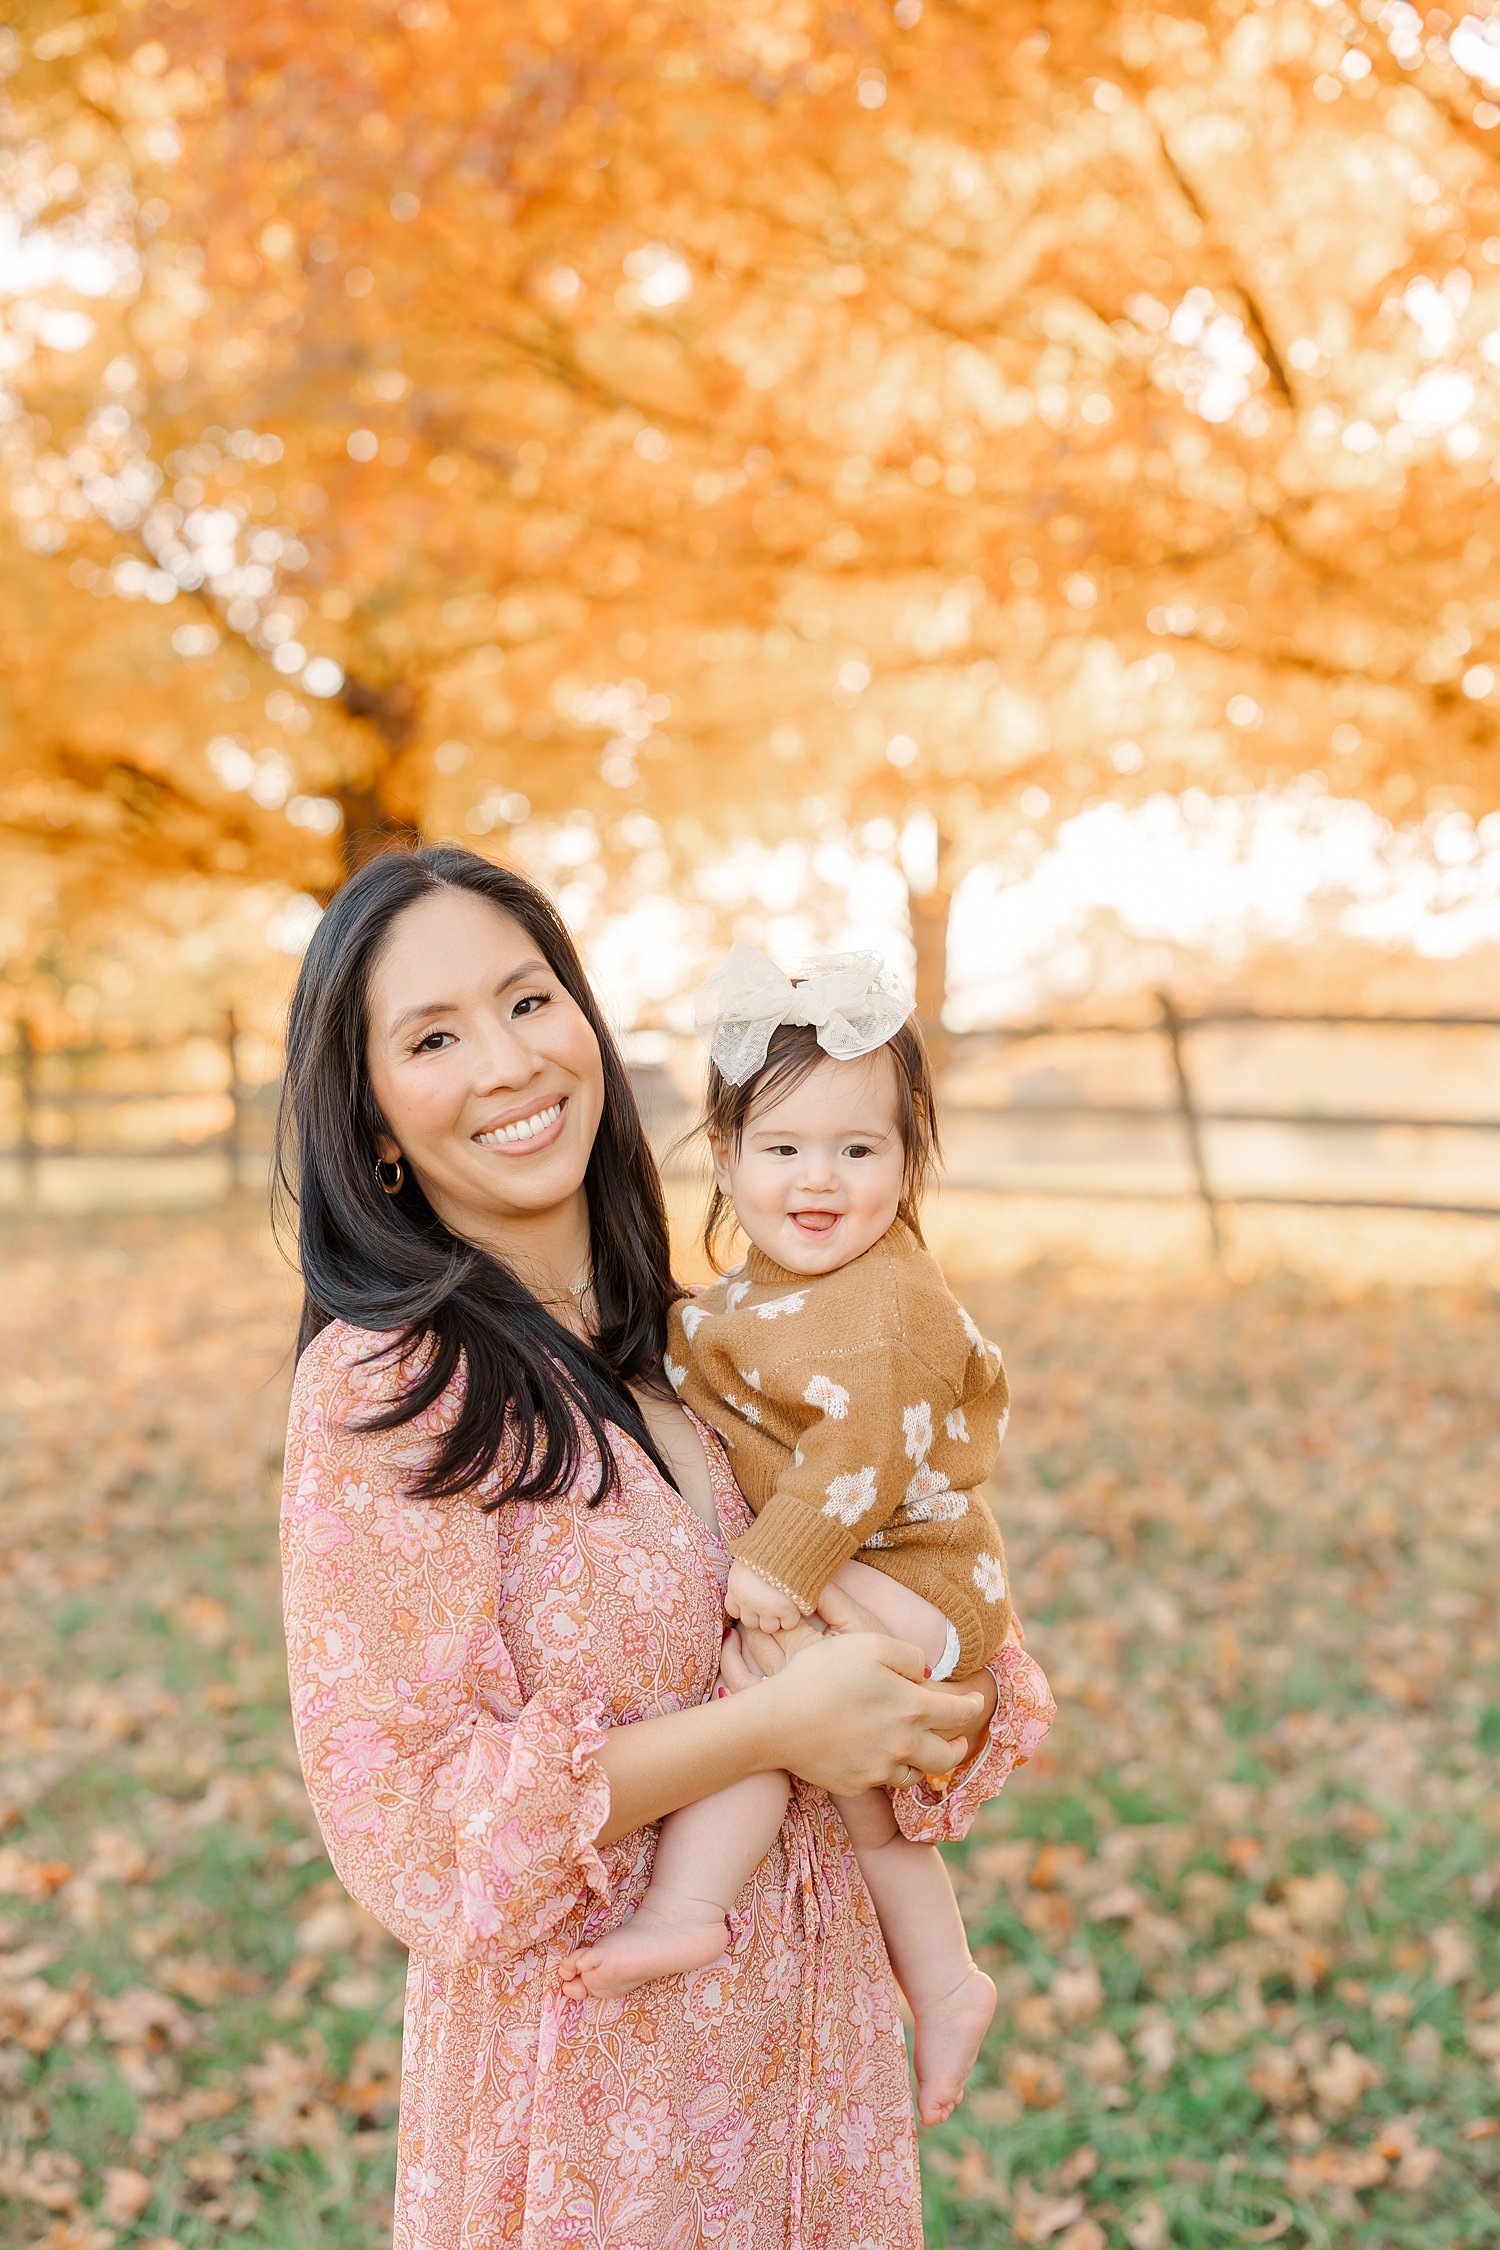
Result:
[817,1176]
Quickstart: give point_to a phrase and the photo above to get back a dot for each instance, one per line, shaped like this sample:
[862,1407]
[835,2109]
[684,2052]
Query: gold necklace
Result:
[579,1291]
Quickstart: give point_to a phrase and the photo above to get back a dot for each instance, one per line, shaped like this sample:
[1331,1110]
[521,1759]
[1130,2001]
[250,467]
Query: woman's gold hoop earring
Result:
[392,1177]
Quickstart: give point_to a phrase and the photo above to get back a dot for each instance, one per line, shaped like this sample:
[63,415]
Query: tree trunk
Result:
[369,828]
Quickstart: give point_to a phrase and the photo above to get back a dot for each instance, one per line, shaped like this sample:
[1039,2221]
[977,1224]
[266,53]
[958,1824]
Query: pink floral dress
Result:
[453,1674]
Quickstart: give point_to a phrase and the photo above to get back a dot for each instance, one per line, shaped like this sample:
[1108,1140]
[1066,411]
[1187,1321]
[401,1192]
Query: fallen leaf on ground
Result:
[125,2196]
[1036,2080]
[1037,2217]
[1341,2083]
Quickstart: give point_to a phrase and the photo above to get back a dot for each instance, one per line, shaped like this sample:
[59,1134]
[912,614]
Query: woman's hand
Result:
[853,1712]
[978,1693]
[757,1603]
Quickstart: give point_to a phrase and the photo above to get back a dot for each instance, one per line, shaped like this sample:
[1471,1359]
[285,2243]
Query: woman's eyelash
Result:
[526,1002]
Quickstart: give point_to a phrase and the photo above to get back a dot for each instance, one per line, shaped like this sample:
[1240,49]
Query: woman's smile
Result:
[534,1129]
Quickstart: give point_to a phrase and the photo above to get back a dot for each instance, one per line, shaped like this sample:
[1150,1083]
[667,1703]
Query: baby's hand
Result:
[757,1603]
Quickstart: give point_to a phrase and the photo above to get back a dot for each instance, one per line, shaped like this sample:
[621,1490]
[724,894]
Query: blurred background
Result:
[1017,486]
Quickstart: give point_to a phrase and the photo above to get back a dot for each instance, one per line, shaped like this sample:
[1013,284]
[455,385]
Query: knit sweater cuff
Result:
[795,1546]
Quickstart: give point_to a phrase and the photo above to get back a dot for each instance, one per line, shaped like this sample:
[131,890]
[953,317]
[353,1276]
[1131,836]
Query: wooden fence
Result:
[1193,1114]
[237,1141]
[231,1117]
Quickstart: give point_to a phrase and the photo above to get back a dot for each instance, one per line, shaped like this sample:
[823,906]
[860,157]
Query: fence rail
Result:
[32,1147]
[242,1135]
[1192,1114]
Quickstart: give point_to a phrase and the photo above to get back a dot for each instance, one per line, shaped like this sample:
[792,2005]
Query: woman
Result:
[505,1550]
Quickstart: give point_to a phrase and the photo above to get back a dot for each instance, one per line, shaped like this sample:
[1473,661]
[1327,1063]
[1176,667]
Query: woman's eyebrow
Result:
[517,975]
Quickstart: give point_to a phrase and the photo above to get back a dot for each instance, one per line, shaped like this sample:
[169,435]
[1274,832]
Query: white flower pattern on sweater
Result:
[868,1429]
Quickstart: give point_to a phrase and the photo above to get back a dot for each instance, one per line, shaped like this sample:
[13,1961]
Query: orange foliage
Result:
[746,419]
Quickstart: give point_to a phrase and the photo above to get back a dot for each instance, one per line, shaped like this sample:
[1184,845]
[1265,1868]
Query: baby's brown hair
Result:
[793,1055]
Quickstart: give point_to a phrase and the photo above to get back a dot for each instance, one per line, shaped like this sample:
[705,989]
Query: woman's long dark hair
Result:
[389,1263]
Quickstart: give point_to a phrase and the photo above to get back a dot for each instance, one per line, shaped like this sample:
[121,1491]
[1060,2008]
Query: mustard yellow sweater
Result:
[863,1410]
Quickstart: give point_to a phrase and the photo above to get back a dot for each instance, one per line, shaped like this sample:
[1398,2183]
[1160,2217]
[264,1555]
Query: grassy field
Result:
[1243,1911]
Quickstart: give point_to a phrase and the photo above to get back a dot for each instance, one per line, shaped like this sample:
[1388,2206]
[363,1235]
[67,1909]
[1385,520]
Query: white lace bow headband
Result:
[852,1001]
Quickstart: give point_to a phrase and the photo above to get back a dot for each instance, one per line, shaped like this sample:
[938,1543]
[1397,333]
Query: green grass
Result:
[1267,1821]
[1244,1909]
[217,1923]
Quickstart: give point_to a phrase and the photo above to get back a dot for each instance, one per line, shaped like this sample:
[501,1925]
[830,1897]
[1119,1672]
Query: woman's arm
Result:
[463,1815]
[848,1714]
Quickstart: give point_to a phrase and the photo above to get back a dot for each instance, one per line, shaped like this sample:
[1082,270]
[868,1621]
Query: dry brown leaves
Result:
[1249,1530]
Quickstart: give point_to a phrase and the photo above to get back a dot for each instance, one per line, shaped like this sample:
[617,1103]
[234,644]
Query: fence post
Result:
[26,1075]
[1173,1026]
[233,1139]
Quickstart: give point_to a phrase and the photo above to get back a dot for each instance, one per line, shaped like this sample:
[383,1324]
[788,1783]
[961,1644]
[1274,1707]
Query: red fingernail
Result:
[927,1671]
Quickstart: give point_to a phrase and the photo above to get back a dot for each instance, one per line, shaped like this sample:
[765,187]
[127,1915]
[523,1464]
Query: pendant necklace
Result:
[580,1292]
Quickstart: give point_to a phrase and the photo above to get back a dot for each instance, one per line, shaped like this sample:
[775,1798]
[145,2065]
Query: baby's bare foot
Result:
[657,1941]
[949,2036]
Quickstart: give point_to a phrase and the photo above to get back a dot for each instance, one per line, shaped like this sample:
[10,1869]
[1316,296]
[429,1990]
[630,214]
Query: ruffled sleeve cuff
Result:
[527,1816]
[1024,1710]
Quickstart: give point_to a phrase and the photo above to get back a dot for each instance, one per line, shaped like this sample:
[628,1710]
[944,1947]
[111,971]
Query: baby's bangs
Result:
[791,1059]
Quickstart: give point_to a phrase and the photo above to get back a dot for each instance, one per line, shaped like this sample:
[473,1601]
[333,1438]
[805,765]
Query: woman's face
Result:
[486,1071]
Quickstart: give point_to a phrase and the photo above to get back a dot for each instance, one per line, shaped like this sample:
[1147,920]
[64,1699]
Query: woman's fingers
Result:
[843,1614]
[973,1699]
[734,1670]
[937,1753]
[952,1716]
[898,1656]
[936,1708]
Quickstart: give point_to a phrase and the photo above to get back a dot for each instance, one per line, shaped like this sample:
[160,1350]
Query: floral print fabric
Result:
[452,1675]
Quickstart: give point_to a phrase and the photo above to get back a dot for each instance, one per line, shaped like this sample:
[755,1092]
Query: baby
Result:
[863,1411]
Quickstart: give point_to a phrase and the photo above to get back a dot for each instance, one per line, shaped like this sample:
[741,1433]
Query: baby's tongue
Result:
[815,1222]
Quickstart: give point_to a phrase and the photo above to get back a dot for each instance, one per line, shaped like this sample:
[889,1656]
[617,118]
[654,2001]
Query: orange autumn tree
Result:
[757,420]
